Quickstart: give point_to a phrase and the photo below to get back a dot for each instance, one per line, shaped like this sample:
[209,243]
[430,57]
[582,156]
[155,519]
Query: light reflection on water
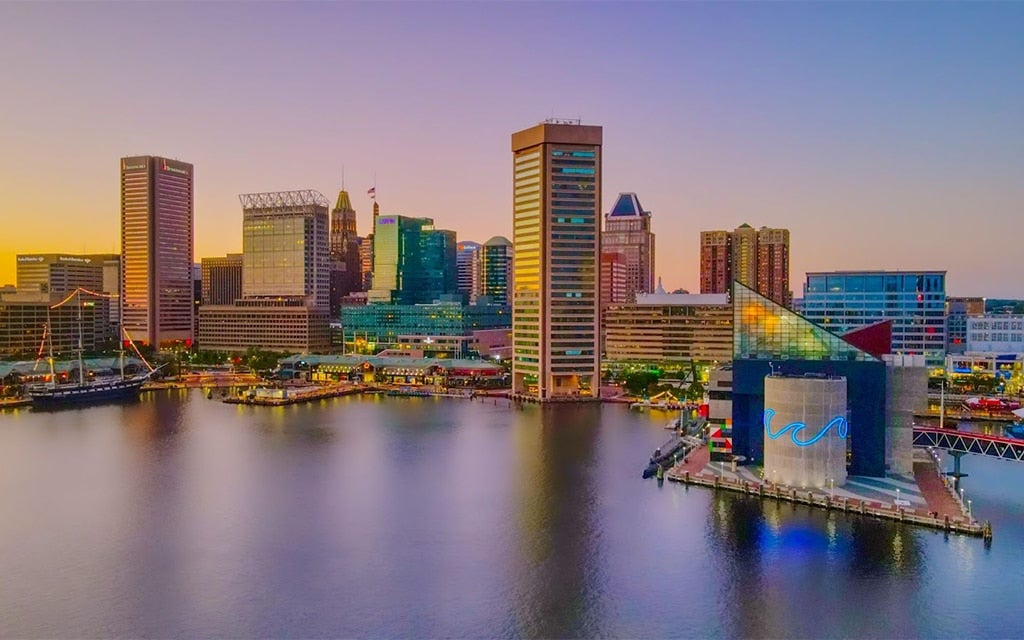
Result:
[384,517]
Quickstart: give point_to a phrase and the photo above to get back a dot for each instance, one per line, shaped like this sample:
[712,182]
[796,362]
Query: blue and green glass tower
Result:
[413,263]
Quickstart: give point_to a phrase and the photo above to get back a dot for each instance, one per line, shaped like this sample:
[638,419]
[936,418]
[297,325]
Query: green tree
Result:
[640,383]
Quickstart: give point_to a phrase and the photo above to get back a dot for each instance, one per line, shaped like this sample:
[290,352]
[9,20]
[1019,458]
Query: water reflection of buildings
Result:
[776,557]
[556,581]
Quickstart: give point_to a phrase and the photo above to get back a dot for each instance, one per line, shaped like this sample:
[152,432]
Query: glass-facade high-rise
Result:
[285,246]
[496,270]
[413,263]
[156,248]
[915,302]
[467,260]
[557,240]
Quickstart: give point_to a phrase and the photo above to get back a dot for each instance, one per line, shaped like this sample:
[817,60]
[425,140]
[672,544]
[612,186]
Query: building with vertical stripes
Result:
[557,242]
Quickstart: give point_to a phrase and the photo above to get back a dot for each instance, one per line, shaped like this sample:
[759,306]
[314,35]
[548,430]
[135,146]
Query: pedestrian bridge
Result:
[967,442]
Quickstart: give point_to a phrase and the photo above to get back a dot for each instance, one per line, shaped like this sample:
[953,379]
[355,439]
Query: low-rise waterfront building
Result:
[995,333]
[443,328]
[670,328]
[29,326]
[406,371]
[286,325]
[958,309]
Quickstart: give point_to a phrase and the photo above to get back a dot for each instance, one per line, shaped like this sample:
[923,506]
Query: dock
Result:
[279,397]
[944,512]
[14,403]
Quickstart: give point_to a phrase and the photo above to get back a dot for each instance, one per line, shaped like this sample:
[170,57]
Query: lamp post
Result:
[832,488]
[969,515]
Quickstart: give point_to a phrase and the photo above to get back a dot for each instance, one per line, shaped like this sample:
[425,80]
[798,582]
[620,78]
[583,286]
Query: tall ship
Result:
[86,390]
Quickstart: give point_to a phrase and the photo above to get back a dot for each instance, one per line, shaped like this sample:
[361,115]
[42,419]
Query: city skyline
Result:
[872,132]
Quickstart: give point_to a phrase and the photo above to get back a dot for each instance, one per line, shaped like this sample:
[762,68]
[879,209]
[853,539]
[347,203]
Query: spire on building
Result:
[660,289]
[343,202]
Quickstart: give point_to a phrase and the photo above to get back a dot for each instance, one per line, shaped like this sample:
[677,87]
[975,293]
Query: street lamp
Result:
[969,509]
[832,487]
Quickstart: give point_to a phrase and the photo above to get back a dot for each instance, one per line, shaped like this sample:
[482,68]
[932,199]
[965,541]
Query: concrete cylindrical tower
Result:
[805,431]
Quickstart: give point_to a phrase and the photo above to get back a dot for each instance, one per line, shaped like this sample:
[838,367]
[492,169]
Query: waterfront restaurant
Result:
[436,372]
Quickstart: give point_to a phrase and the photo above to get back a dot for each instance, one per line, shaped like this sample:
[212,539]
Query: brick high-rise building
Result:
[758,258]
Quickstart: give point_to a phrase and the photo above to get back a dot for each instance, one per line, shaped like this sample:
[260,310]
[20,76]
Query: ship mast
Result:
[49,358]
[81,361]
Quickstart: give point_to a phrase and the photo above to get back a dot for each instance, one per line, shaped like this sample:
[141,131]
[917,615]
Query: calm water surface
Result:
[182,516]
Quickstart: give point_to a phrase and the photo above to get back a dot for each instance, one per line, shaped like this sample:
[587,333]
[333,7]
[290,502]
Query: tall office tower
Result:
[346,273]
[157,214]
[285,246]
[557,240]
[413,263]
[957,311]
[757,258]
[467,261]
[915,302]
[715,261]
[222,279]
[496,270]
[627,231]
[773,265]
[366,262]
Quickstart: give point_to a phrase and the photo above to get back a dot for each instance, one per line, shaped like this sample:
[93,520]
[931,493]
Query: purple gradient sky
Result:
[882,135]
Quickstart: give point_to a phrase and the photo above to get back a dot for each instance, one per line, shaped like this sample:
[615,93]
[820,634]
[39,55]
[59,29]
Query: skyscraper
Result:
[757,258]
[222,279]
[557,240]
[773,265]
[346,272]
[285,278]
[627,231]
[467,260]
[413,262]
[157,235]
[285,250]
[496,270]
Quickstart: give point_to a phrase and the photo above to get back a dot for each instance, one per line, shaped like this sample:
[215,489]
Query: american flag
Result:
[372,192]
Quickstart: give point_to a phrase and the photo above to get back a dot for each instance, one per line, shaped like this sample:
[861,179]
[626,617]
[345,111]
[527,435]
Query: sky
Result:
[883,135]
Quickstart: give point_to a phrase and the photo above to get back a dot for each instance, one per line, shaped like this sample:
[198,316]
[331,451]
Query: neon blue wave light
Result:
[794,428]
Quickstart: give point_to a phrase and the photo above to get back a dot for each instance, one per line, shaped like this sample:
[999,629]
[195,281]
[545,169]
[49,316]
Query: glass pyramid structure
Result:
[765,330]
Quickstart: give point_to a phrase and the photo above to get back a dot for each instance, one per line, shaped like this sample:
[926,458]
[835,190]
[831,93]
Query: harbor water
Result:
[183,516]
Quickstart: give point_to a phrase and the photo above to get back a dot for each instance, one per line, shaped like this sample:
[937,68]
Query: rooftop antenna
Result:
[342,176]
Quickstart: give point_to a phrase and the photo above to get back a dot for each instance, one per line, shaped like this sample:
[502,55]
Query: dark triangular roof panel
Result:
[627,204]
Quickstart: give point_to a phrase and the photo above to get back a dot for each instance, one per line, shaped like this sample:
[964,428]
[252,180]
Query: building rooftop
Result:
[628,204]
[683,299]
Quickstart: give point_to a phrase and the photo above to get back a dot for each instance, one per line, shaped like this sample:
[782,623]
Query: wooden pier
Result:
[959,524]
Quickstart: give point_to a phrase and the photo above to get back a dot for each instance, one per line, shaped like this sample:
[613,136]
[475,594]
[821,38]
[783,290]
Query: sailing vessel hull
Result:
[82,395]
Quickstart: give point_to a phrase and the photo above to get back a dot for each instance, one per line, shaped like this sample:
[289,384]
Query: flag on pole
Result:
[372,192]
